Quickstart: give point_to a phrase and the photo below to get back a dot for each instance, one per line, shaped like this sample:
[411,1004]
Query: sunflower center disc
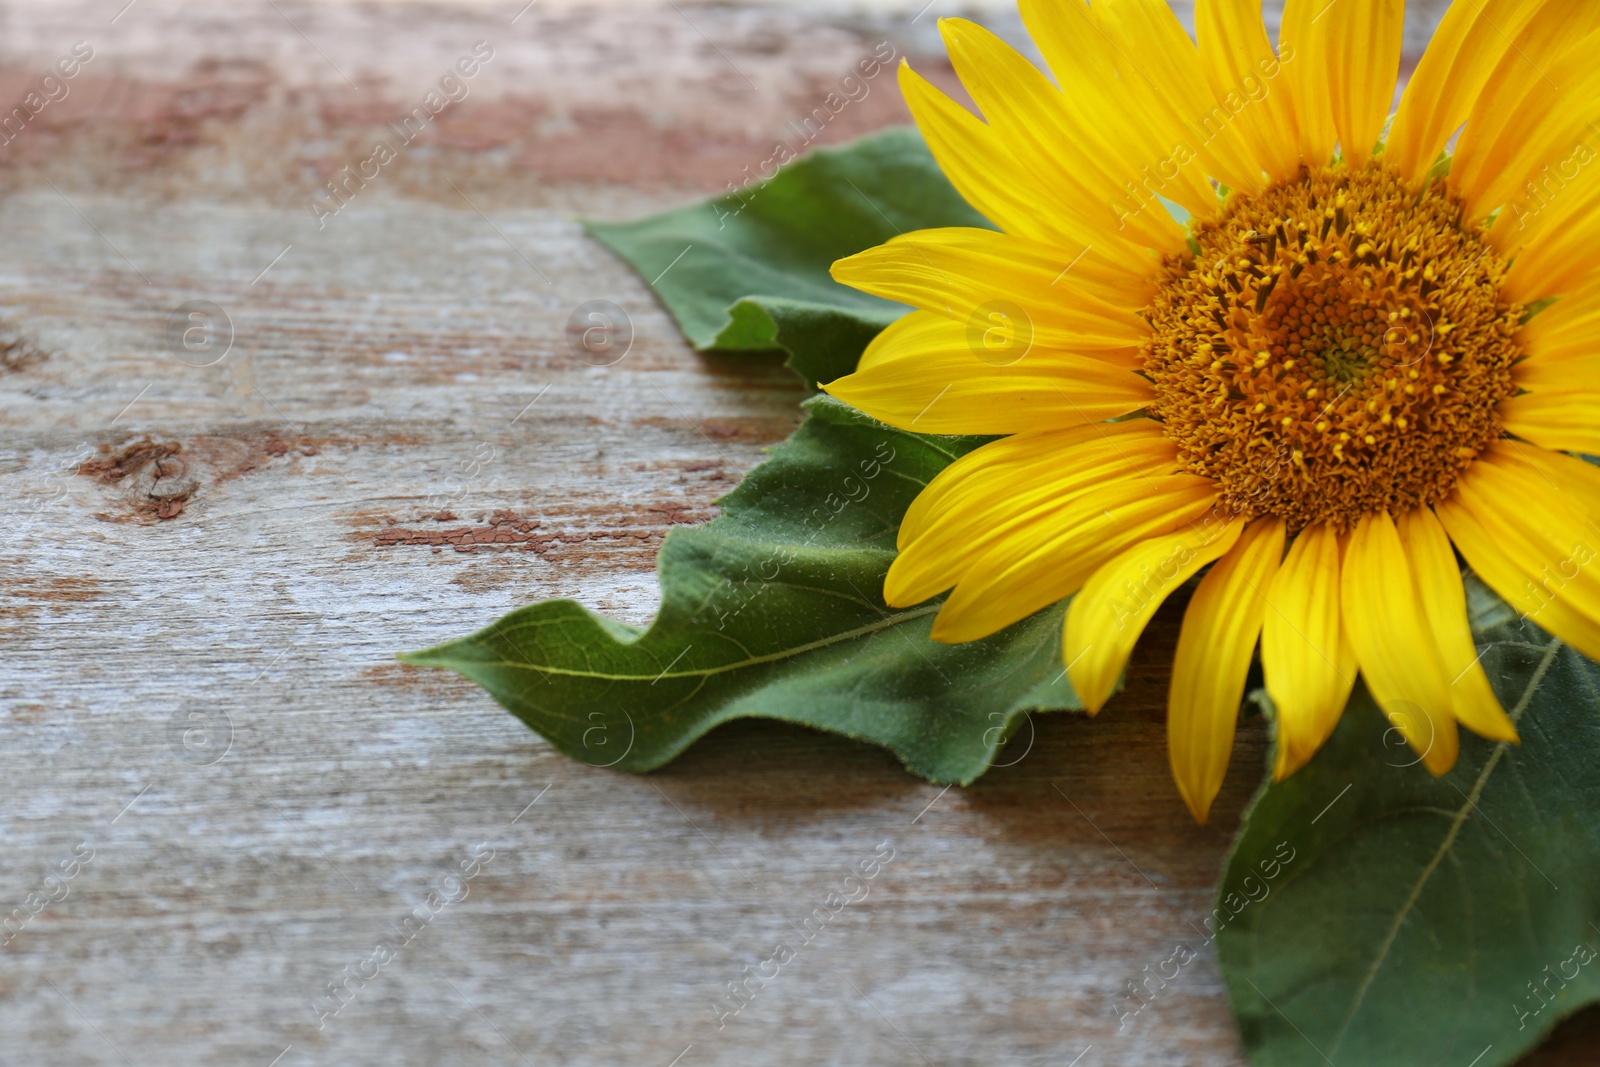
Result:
[1332,347]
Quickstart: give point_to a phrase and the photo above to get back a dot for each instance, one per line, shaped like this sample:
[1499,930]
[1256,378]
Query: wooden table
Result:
[209,562]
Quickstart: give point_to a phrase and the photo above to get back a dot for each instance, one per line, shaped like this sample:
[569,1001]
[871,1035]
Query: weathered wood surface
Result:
[207,569]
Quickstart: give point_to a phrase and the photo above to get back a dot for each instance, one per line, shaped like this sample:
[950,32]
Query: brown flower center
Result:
[1332,347]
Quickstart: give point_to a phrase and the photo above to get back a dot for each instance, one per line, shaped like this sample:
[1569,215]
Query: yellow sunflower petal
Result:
[1304,36]
[1577,480]
[1305,657]
[1028,265]
[1569,328]
[1527,119]
[1039,124]
[990,477]
[962,277]
[1154,56]
[1215,646]
[996,184]
[1346,59]
[1560,189]
[1040,565]
[1364,63]
[1398,655]
[1563,371]
[1552,233]
[991,506]
[1097,80]
[1522,536]
[1239,63]
[1109,613]
[1064,32]
[997,339]
[1557,418]
[1536,225]
[1469,43]
[924,374]
[1511,570]
[1444,605]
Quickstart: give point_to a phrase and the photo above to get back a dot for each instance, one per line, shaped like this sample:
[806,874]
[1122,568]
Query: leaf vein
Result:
[1460,818]
[751,661]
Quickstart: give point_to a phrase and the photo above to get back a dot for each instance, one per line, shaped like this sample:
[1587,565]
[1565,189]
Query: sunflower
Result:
[1356,355]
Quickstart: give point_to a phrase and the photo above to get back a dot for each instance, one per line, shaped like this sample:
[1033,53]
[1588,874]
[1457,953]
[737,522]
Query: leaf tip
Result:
[424,657]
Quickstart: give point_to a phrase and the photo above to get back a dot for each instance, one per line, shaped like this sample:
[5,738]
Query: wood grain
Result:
[207,569]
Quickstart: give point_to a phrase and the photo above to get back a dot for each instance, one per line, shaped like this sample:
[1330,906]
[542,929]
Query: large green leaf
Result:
[775,610]
[1389,919]
[773,243]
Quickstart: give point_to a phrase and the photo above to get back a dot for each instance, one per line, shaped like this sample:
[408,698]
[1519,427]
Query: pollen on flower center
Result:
[1332,347]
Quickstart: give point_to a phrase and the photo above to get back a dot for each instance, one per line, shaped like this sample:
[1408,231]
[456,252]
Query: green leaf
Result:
[1390,919]
[749,271]
[775,610]
[823,343]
